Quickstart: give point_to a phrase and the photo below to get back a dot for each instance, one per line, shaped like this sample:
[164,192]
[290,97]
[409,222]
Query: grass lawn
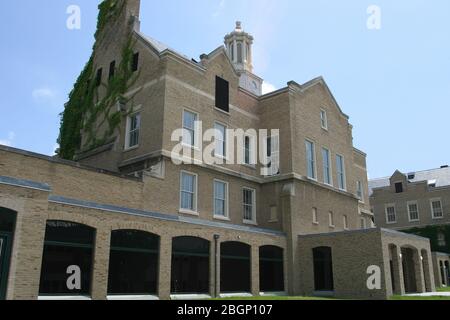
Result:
[444,289]
[419,298]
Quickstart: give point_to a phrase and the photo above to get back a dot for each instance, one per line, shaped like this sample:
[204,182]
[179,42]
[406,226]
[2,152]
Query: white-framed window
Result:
[363,223]
[249,205]
[133,130]
[220,199]
[311,159]
[331,219]
[188,192]
[190,136]
[436,208]
[413,211]
[326,159]
[249,150]
[315,217]
[221,140]
[391,215]
[323,119]
[340,170]
[360,191]
[273,155]
[345,221]
[441,239]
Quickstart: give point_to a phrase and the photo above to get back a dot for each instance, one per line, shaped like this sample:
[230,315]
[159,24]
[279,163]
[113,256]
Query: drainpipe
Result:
[216,265]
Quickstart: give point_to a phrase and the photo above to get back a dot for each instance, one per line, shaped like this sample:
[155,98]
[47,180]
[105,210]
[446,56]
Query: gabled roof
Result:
[441,177]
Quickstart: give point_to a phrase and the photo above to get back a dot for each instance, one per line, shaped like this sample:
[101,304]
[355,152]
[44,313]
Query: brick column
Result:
[214,268]
[101,264]
[428,272]
[254,256]
[165,267]
[418,267]
[399,281]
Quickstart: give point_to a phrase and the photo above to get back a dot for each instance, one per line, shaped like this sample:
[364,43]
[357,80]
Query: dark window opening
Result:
[190,265]
[7,226]
[222,94]
[135,62]
[66,244]
[271,272]
[235,272]
[323,269]
[98,79]
[133,263]
[112,69]
[398,187]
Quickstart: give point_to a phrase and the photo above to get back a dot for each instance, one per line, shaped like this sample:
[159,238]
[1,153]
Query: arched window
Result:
[67,259]
[133,263]
[7,226]
[323,269]
[239,52]
[190,265]
[232,51]
[235,267]
[271,272]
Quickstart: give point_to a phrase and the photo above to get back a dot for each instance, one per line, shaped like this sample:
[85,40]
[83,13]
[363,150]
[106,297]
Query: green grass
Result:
[444,289]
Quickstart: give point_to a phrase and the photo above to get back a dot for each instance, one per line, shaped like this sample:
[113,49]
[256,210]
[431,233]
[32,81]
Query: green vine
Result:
[432,232]
[85,112]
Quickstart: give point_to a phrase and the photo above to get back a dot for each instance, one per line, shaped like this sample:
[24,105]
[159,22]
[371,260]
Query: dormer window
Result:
[398,187]
[222,94]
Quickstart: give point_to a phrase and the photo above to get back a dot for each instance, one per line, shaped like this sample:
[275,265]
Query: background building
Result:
[418,203]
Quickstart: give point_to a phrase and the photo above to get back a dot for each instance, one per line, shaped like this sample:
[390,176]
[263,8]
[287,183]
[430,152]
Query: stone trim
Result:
[161,216]
[25,184]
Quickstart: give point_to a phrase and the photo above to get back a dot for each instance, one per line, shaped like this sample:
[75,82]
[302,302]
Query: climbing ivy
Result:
[431,232]
[85,111]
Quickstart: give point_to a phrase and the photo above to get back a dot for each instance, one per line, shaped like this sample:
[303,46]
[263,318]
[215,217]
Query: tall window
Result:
[331,219]
[398,187]
[189,137]
[112,69]
[359,191]
[345,220]
[134,126]
[220,199]
[249,205]
[222,94]
[249,157]
[310,159]
[221,140]
[340,168]
[98,78]
[315,217]
[324,119]
[67,244]
[441,239]
[436,207]
[232,51]
[391,216]
[188,192]
[135,62]
[326,166]
[239,52]
[413,211]
[273,155]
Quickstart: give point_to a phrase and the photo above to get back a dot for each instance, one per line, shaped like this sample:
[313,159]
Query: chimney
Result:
[444,166]
[134,7]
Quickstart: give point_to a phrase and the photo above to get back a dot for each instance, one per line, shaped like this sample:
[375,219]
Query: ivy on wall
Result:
[85,111]
[432,232]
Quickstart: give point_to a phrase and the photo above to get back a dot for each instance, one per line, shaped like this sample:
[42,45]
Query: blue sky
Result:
[394,83]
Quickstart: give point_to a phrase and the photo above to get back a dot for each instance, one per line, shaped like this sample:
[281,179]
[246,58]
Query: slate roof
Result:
[441,177]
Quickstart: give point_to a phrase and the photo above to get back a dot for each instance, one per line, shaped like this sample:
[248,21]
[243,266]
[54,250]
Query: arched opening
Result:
[443,273]
[409,270]
[133,263]
[67,260]
[447,271]
[239,52]
[323,269]
[271,269]
[7,227]
[392,266]
[190,265]
[235,272]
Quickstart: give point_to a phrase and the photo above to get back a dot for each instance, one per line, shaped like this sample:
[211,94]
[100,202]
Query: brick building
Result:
[134,224]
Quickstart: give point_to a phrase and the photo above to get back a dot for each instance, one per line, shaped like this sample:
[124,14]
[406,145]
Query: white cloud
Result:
[267,88]
[47,96]
[9,140]
[219,9]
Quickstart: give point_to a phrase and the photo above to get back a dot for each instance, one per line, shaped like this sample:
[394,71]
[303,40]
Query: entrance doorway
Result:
[7,226]
[409,270]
